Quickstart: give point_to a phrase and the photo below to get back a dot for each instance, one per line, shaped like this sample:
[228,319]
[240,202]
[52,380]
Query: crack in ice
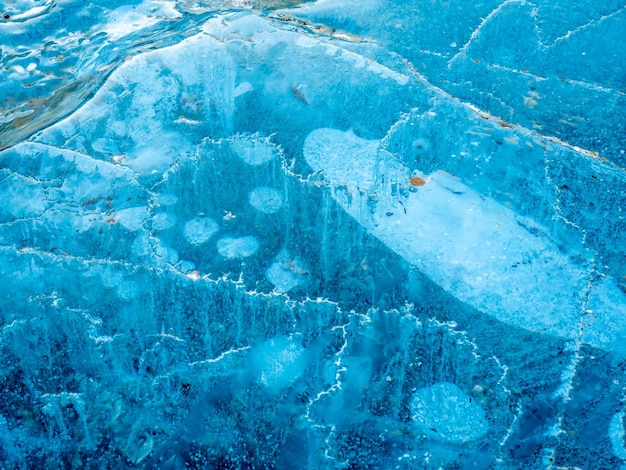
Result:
[585,26]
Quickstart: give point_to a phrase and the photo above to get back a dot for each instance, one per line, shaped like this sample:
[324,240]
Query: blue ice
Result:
[330,234]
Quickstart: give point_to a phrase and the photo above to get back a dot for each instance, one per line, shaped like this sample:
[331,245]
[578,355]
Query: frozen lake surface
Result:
[331,234]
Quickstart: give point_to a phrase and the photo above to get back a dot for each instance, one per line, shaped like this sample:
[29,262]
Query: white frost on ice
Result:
[130,18]
[279,362]
[286,272]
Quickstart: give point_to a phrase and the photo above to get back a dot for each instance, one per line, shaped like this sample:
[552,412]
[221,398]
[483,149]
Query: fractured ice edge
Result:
[316,260]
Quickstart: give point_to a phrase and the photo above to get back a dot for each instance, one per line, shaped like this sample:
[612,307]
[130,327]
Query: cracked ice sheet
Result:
[202,98]
[47,75]
[578,80]
[366,364]
[143,159]
[171,366]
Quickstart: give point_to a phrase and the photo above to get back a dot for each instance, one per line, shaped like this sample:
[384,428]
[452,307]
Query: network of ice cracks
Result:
[275,244]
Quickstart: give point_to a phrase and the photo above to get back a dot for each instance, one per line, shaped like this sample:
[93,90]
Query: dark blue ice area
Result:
[333,234]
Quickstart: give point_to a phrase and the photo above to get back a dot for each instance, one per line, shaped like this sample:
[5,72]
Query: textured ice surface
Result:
[345,235]
[445,412]
[477,249]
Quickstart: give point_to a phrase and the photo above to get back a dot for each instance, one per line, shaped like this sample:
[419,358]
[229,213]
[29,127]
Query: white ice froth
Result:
[475,248]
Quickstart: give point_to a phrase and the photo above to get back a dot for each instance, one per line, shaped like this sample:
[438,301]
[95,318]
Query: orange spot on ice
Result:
[417,181]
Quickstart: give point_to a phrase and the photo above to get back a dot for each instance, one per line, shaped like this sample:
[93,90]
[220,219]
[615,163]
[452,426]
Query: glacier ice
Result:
[344,235]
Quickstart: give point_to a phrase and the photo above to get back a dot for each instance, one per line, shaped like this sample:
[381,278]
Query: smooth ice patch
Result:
[144,246]
[237,247]
[253,151]
[128,290]
[242,89]
[165,254]
[21,197]
[109,277]
[199,230]
[286,272]
[444,412]
[163,221]
[165,199]
[265,199]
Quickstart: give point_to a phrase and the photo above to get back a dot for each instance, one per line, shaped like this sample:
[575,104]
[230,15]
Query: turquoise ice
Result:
[331,234]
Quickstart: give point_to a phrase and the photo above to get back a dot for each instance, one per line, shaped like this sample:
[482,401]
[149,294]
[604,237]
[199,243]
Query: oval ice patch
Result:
[267,200]
[253,151]
[163,221]
[237,247]
[199,230]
